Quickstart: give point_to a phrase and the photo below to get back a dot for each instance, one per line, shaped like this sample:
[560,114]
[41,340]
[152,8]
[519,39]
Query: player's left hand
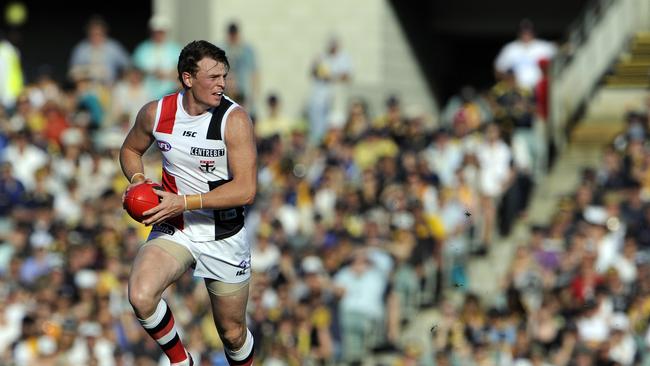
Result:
[171,205]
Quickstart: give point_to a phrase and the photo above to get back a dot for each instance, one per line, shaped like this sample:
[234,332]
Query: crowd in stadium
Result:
[358,223]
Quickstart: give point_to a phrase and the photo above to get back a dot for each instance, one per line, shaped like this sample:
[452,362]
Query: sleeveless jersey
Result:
[195,160]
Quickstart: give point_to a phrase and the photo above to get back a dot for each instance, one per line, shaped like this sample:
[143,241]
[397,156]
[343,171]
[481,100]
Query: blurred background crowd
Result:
[363,219]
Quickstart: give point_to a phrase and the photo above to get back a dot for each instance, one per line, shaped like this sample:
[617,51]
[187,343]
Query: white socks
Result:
[245,351]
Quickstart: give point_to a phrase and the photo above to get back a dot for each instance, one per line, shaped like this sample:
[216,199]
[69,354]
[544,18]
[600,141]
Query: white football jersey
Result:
[195,160]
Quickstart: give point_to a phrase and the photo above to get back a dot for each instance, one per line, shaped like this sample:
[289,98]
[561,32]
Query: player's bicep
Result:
[140,136]
[242,153]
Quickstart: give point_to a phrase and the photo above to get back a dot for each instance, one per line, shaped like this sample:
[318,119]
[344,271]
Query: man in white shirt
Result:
[27,158]
[523,54]
[361,286]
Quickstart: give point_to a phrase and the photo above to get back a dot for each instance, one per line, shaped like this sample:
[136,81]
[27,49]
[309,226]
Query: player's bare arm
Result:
[137,142]
[242,160]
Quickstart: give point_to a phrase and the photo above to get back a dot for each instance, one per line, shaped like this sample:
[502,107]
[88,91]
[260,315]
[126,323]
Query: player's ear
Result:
[187,79]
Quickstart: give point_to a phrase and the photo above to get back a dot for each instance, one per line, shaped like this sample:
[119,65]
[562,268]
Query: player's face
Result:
[209,82]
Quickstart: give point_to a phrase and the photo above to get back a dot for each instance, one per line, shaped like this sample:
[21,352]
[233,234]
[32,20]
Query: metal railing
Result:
[593,43]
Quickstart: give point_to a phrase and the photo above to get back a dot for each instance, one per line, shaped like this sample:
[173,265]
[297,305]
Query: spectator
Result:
[274,122]
[31,158]
[91,347]
[456,244]
[444,156]
[622,347]
[26,116]
[243,84]
[494,158]
[101,57]
[265,256]
[90,111]
[468,108]
[11,73]
[358,121]
[129,94]
[12,191]
[156,57]
[56,122]
[361,286]
[593,328]
[340,66]
[523,55]
[331,72]
[42,262]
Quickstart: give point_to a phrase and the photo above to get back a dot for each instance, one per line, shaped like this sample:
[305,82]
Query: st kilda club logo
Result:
[207,166]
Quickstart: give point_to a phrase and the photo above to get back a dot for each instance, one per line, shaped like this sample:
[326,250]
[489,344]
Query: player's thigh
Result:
[228,303]
[158,264]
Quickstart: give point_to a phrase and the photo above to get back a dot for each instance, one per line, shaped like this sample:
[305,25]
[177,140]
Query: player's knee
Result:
[234,337]
[142,300]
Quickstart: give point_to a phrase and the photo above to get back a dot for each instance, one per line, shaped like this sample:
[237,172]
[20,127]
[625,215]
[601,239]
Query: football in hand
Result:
[141,198]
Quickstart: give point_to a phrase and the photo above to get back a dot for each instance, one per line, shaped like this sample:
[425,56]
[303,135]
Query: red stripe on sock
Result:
[176,353]
[159,334]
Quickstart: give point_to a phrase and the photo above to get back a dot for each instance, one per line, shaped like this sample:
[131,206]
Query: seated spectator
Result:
[468,108]
[129,94]
[622,347]
[274,122]
[592,328]
[31,158]
[444,156]
[12,191]
[265,256]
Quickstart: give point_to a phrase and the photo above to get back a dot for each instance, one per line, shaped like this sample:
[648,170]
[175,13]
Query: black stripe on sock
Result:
[163,323]
[171,343]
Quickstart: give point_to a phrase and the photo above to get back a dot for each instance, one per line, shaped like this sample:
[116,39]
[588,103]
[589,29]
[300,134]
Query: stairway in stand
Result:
[633,67]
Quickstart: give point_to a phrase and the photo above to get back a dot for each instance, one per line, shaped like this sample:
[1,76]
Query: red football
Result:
[140,199]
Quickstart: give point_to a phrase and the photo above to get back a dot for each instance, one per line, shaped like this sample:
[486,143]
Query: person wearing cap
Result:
[157,57]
